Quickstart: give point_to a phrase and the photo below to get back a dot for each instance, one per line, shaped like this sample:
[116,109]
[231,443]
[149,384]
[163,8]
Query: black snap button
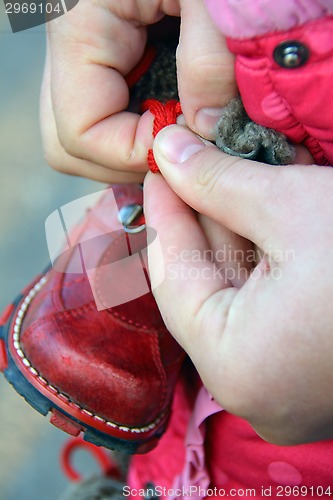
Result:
[291,54]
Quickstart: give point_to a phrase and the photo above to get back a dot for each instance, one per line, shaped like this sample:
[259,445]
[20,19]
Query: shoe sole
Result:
[66,414]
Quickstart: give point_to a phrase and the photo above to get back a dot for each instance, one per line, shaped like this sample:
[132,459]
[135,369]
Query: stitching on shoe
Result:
[52,295]
[72,313]
[74,282]
[17,346]
[130,321]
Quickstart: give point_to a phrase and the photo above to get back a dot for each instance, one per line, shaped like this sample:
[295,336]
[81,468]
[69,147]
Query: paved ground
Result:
[29,192]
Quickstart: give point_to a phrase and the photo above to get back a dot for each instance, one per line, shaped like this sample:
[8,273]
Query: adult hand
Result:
[86,130]
[264,346]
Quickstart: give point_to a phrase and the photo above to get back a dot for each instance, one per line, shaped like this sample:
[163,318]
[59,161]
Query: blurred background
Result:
[29,192]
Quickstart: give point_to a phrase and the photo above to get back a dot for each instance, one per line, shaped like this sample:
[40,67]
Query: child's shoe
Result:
[107,373]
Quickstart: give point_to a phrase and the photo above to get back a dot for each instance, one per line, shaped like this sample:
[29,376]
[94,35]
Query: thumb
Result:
[205,69]
[245,196]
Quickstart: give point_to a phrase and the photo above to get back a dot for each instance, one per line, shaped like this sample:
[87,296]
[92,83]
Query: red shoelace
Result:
[108,467]
[164,114]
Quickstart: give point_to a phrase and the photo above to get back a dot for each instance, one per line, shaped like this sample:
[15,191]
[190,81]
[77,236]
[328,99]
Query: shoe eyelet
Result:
[291,54]
[128,215]
[134,230]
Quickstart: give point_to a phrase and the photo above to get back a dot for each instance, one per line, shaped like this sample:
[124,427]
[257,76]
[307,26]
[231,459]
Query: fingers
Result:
[92,48]
[190,273]
[278,322]
[251,199]
[205,69]
[91,51]
[197,301]
[55,154]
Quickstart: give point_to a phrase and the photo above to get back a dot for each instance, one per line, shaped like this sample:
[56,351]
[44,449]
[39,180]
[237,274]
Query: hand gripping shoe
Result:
[74,343]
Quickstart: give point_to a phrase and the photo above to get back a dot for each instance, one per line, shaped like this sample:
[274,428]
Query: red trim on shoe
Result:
[64,423]
[6,314]
[3,356]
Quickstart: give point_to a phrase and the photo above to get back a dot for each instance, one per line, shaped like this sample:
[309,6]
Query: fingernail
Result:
[181,120]
[178,144]
[206,120]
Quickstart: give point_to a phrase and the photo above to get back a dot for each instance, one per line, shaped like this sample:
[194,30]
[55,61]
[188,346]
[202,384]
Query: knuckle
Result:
[54,161]
[207,72]
[204,70]
[55,156]
[208,178]
[69,140]
[213,178]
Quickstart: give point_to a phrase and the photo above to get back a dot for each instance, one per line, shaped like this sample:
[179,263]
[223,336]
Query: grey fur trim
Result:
[238,135]
[160,81]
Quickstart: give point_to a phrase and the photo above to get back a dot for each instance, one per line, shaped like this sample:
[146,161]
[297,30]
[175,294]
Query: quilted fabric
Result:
[297,101]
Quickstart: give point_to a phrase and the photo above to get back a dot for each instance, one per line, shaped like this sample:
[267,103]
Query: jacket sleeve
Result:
[251,18]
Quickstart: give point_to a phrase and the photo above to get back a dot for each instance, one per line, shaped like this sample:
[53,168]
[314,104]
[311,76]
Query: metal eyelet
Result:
[127,216]
[291,54]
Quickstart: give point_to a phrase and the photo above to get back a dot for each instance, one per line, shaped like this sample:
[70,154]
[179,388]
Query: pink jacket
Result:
[284,65]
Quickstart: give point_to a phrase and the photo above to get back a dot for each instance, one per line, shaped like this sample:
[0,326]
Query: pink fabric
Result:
[239,458]
[250,18]
[195,476]
[236,459]
[163,464]
[296,102]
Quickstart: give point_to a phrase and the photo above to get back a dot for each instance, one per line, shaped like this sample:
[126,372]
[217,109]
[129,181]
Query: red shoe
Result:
[108,373]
